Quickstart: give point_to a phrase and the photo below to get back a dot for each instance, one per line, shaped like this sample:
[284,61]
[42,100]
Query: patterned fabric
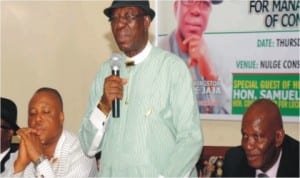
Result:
[68,161]
[158,132]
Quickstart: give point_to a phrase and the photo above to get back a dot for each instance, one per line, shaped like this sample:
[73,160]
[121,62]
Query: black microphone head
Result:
[115,61]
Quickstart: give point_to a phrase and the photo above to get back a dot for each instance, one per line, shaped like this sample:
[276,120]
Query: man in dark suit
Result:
[8,129]
[266,150]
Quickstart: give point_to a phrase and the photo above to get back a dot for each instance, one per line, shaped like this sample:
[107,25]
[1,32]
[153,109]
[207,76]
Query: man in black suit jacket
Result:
[8,129]
[265,149]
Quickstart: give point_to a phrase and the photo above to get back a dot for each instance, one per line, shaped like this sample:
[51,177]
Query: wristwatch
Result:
[39,160]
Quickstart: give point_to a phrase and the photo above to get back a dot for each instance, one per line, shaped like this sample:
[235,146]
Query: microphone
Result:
[115,64]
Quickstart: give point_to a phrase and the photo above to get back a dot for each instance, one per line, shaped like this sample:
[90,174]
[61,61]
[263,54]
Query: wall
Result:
[61,44]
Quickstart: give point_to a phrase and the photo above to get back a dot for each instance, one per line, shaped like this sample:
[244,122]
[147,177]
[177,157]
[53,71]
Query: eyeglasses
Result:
[204,4]
[125,19]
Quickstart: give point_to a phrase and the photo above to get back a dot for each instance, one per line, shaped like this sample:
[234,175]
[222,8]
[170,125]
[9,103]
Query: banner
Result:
[250,49]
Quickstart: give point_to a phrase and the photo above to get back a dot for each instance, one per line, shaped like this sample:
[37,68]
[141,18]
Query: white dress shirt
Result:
[68,161]
[9,163]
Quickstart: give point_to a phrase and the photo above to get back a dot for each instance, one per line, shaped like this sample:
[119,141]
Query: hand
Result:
[113,89]
[198,51]
[32,143]
[196,47]
[23,159]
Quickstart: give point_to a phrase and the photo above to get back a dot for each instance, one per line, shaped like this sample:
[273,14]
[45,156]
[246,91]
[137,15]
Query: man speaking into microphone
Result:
[157,132]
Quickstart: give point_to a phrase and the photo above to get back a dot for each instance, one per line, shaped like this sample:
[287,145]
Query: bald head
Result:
[266,111]
[54,92]
[262,134]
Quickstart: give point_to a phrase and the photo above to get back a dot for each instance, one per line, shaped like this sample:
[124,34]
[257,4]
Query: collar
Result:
[140,57]
[4,153]
[273,170]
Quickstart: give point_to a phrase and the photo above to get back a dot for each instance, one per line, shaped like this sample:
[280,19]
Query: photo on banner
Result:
[237,52]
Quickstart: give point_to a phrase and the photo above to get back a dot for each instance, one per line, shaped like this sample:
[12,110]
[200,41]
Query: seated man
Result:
[46,149]
[8,129]
[266,150]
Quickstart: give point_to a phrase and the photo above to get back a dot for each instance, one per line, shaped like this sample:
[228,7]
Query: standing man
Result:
[266,150]
[187,41]
[158,132]
[8,129]
[46,149]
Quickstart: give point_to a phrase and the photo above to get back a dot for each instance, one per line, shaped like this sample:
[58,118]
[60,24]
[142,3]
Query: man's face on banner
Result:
[192,16]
